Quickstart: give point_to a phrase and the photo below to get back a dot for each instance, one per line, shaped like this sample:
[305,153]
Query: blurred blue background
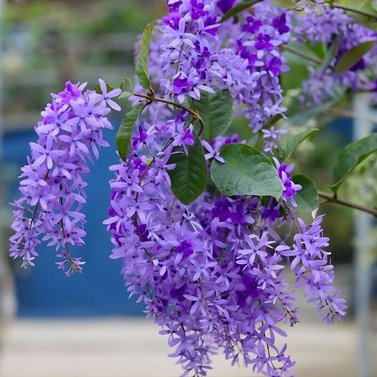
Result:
[44,44]
[44,291]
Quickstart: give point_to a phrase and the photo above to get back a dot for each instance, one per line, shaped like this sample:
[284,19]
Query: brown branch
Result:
[334,199]
[153,98]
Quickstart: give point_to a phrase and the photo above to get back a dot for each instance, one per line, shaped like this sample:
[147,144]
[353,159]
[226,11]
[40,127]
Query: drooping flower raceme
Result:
[211,273]
[339,31]
[52,183]
[189,55]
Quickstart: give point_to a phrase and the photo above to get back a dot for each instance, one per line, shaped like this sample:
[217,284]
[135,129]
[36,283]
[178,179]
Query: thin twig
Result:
[195,115]
[334,199]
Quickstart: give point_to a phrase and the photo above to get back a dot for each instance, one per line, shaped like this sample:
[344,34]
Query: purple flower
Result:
[263,42]
[290,188]
[188,136]
[213,152]
[181,84]
[280,23]
[197,9]
[252,25]
[107,96]
[309,261]
[52,183]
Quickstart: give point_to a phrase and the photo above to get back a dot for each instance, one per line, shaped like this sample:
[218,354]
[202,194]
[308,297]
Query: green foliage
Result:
[353,56]
[246,171]
[123,137]
[141,67]
[189,178]
[351,156]
[292,142]
[307,197]
[216,111]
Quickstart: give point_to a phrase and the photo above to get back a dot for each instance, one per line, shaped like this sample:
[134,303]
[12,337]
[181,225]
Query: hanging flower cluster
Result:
[189,55]
[211,274]
[205,224]
[340,32]
[52,182]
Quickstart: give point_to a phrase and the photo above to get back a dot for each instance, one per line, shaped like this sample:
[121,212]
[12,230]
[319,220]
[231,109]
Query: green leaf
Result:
[216,111]
[307,197]
[352,56]
[123,137]
[189,178]
[351,156]
[239,8]
[246,171]
[141,68]
[291,143]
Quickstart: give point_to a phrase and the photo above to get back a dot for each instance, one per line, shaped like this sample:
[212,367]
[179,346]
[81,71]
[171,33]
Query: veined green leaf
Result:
[351,156]
[141,68]
[246,171]
[123,137]
[189,178]
[216,111]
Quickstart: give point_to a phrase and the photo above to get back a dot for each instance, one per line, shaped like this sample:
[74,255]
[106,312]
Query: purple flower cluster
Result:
[52,183]
[189,56]
[255,81]
[333,26]
[183,51]
[309,261]
[212,273]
